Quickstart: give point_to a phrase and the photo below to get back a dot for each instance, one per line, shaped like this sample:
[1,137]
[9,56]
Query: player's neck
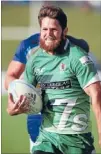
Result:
[60,49]
[51,52]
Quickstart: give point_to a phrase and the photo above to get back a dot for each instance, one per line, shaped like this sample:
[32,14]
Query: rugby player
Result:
[67,78]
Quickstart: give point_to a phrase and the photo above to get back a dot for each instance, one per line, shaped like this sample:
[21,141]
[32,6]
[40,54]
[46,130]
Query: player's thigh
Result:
[45,147]
[42,152]
[76,150]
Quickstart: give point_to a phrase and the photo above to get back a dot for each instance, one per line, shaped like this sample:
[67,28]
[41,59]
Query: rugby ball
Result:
[20,87]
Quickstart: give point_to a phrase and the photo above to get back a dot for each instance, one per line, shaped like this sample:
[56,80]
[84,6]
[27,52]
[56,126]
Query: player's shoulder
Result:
[78,56]
[31,40]
[76,51]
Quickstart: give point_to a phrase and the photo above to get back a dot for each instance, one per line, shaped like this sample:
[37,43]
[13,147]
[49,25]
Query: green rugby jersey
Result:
[66,107]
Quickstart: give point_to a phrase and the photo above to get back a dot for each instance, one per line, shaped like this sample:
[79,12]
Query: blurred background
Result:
[19,21]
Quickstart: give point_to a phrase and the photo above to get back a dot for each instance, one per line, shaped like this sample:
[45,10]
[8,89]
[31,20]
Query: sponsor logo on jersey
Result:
[62,67]
[85,60]
[56,85]
[39,71]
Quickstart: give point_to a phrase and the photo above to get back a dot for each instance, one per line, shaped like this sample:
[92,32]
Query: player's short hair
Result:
[54,13]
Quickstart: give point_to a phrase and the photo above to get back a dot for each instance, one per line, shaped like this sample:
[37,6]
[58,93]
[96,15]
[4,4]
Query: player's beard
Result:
[57,47]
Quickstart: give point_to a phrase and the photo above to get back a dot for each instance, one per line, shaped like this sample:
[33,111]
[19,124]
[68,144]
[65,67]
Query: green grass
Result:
[8,49]
[14,137]
[14,134]
[87,25]
[14,15]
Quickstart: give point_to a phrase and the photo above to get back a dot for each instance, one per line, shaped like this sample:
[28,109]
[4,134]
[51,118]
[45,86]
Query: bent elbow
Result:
[5,85]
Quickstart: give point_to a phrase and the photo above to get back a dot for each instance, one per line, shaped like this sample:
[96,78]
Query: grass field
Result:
[14,134]
[17,15]
[83,24]
[8,50]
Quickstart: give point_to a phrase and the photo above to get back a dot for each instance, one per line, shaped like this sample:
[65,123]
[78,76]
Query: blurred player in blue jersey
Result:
[15,70]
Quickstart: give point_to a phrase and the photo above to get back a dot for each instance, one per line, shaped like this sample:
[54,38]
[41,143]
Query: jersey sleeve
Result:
[29,75]
[84,68]
[20,54]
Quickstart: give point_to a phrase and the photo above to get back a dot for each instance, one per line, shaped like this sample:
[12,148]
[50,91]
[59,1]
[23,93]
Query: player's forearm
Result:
[94,91]
[15,69]
[97,111]
[8,79]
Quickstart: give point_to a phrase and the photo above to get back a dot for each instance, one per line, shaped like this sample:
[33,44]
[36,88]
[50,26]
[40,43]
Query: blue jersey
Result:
[26,48]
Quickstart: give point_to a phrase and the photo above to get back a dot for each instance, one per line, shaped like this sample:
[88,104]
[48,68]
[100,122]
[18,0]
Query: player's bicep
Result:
[15,69]
[93,88]
[94,91]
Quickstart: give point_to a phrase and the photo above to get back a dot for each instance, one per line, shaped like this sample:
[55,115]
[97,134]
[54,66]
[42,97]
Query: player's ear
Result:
[65,31]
